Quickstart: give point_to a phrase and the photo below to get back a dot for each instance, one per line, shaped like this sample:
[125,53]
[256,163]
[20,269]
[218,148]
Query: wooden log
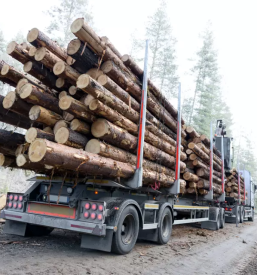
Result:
[62,94]
[191,190]
[36,96]
[190,177]
[6,161]
[85,59]
[12,74]
[80,127]
[70,138]
[25,46]
[105,150]
[207,151]
[189,164]
[76,93]
[114,135]
[203,173]
[46,57]
[32,51]
[60,124]
[48,130]
[11,139]
[58,155]
[67,116]
[193,157]
[192,184]
[76,108]
[203,192]
[35,82]
[189,151]
[192,132]
[34,133]
[62,84]
[206,142]
[94,73]
[16,51]
[42,115]
[63,70]
[39,39]
[108,43]
[203,184]
[15,104]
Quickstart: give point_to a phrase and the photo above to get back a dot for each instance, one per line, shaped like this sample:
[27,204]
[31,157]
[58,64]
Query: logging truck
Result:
[112,215]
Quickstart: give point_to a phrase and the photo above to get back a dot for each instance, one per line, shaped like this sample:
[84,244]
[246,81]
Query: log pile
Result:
[81,109]
[232,184]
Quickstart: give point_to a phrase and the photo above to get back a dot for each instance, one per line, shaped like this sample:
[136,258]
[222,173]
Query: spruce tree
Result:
[62,17]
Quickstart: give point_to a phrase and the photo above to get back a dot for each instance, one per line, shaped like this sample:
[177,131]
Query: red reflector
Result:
[93,216]
[87,205]
[226,209]
[99,217]
[94,206]
[10,204]
[20,198]
[11,197]
[15,205]
[230,209]
[15,197]
[86,215]
[20,205]
[100,208]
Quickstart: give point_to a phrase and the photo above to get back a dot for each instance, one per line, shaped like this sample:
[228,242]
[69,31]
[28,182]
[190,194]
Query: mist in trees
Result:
[62,17]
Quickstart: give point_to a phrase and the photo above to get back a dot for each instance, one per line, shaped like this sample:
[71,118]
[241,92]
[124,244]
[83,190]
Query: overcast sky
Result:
[234,23]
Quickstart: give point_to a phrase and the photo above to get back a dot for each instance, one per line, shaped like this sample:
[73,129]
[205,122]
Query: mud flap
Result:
[15,228]
[148,235]
[213,219]
[96,242]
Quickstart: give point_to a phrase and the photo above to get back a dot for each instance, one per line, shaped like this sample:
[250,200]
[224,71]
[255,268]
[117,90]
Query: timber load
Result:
[81,109]
[233,180]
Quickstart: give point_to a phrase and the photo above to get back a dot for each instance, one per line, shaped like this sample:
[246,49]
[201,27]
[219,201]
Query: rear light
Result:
[20,198]
[20,205]
[10,204]
[226,209]
[86,215]
[15,205]
[99,217]
[94,207]
[93,216]
[230,209]
[11,197]
[100,208]
[87,205]
[15,197]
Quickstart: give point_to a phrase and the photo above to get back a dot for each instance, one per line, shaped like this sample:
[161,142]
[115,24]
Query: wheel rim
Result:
[127,229]
[165,226]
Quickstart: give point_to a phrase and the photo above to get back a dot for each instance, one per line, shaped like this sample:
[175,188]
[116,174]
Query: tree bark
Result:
[114,135]
[10,139]
[36,96]
[34,133]
[85,59]
[63,70]
[39,39]
[75,107]
[42,115]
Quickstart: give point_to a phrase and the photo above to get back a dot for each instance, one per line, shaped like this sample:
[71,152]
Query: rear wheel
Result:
[125,237]
[251,219]
[242,215]
[165,228]
[218,222]
[38,231]
[222,218]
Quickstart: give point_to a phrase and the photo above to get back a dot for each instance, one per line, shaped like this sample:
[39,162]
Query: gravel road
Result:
[191,251]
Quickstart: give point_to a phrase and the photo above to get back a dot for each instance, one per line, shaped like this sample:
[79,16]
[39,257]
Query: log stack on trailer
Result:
[232,185]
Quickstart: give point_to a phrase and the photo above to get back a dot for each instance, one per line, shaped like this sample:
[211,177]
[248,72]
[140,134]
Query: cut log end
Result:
[94,73]
[62,135]
[93,146]
[107,67]
[20,84]
[27,67]
[93,104]
[73,46]
[32,51]
[62,94]
[67,116]
[60,82]
[2,159]
[125,58]
[60,124]
[99,128]
[32,35]
[31,135]
[5,69]
[37,150]
[26,91]
[73,90]
[40,54]
[59,68]
[9,100]
[77,25]
[34,112]
[11,47]
[83,81]
[21,160]
[65,102]
[102,79]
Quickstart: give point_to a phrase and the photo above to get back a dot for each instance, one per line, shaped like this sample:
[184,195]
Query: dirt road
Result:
[191,251]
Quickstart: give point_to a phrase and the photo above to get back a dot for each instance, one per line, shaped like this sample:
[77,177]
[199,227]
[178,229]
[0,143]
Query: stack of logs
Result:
[232,185]
[81,109]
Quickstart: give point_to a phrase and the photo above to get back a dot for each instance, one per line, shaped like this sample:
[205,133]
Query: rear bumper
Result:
[72,225]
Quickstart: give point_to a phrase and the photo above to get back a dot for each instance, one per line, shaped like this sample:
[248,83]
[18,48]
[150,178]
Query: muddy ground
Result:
[190,251]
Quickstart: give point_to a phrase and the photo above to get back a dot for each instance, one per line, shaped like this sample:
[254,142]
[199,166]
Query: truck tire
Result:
[38,231]
[125,237]
[218,222]
[241,214]
[251,219]
[165,229]
[222,218]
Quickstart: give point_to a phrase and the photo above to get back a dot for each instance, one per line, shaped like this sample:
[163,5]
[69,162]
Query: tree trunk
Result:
[46,57]
[12,74]
[36,96]
[114,135]
[76,108]
[42,115]
[85,59]
[32,51]
[190,177]
[34,133]
[39,39]
[63,70]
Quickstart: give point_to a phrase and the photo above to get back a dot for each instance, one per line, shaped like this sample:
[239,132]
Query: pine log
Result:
[191,190]
[191,132]
[80,127]
[15,104]
[192,184]
[61,84]
[12,74]
[34,133]
[58,155]
[189,151]
[70,138]
[114,135]
[62,94]
[42,115]
[189,164]
[203,184]
[10,139]
[46,57]
[76,108]
[207,151]
[108,43]
[203,173]
[76,93]
[39,39]
[6,161]
[35,82]
[85,59]
[190,177]
[94,73]
[60,124]
[32,51]
[207,143]
[63,70]
[36,96]
[16,51]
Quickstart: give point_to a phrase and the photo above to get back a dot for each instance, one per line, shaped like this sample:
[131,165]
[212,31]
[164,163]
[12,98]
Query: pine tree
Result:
[62,17]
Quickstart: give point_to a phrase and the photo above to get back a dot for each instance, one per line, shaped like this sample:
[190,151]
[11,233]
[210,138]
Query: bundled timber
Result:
[18,52]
